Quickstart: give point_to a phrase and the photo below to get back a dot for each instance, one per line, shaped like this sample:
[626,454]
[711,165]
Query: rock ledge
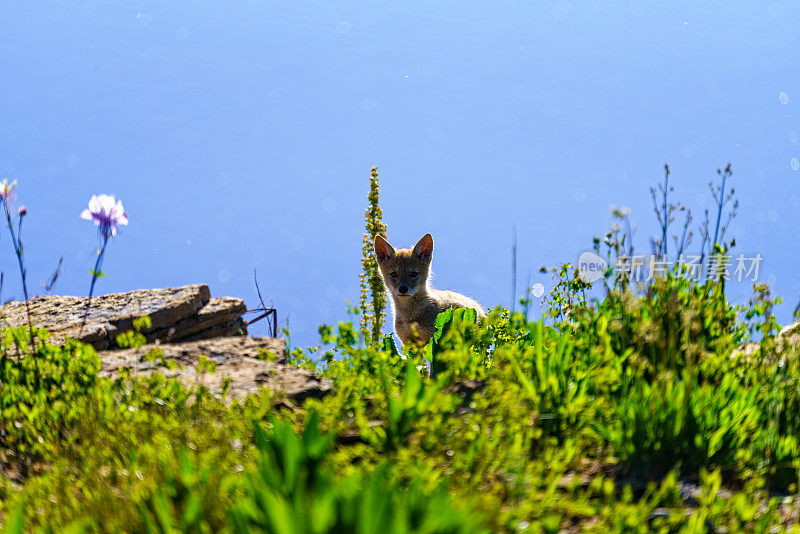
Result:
[186,323]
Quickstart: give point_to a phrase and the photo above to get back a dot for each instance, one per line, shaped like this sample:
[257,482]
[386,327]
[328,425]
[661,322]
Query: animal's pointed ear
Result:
[424,248]
[383,250]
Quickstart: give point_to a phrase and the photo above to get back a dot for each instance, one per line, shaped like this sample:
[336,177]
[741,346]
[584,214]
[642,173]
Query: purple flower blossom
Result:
[106,212]
[22,211]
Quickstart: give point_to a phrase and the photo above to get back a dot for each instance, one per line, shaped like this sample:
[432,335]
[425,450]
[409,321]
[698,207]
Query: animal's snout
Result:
[403,290]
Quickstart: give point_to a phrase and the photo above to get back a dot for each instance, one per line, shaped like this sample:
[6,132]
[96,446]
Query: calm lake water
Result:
[240,136]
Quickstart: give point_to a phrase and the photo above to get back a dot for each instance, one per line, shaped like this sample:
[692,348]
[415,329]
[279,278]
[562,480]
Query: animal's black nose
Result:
[403,289]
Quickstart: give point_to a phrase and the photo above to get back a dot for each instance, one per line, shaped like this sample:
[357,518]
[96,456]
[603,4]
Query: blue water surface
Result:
[240,136]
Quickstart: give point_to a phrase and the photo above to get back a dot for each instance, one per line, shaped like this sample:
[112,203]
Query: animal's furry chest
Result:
[417,328]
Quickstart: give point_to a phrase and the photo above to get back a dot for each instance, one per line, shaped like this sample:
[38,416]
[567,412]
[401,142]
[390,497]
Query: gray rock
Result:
[239,358]
[175,313]
[787,340]
[222,316]
[791,333]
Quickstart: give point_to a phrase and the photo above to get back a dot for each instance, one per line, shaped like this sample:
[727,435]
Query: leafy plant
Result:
[292,492]
[408,407]
[447,324]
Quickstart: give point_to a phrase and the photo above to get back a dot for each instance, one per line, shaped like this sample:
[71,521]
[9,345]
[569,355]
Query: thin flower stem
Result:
[665,225]
[15,240]
[20,260]
[721,205]
[95,276]
[97,265]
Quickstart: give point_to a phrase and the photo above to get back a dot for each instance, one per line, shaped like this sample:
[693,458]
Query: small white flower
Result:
[7,189]
[620,213]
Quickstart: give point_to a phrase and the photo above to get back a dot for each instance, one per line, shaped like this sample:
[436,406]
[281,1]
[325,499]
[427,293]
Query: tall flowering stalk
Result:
[6,196]
[107,213]
[373,296]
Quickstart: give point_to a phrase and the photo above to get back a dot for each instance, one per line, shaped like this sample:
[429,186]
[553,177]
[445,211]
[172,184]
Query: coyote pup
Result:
[405,274]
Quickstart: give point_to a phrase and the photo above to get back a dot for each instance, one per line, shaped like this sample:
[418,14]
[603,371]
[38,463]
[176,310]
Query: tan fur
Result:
[415,311]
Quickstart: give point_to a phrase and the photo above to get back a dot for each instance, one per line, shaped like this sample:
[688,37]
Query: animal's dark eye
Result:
[414,274]
[393,274]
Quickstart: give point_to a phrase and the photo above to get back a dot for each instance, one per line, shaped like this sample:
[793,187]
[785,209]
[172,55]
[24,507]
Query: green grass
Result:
[597,423]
